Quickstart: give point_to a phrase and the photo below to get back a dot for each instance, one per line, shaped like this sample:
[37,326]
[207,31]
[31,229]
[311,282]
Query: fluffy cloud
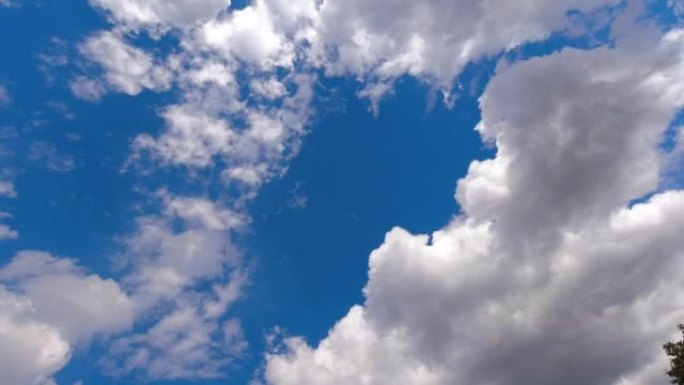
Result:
[160,13]
[6,232]
[188,342]
[550,275]
[7,189]
[87,89]
[250,35]
[576,138]
[174,257]
[126,69]
[189,243]
[252,142]
[179,252]
[435,39]
[30,350]
[275,43]
[49,305]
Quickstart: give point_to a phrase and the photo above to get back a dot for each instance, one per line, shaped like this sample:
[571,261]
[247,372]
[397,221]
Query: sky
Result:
[299,192]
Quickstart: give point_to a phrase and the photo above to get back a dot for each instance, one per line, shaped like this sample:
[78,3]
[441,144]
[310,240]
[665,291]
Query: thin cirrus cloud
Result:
[548,263]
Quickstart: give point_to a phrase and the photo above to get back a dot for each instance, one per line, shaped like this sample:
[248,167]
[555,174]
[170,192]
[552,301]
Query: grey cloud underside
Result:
[548,276]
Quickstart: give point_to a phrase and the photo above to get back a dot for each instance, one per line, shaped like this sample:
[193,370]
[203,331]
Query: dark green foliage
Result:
[675,350]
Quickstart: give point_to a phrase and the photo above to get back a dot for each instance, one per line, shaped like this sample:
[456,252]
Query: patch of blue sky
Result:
[667,13]
[361,176]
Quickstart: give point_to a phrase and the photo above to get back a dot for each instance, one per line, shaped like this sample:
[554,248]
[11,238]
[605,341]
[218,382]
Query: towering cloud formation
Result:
[550,275]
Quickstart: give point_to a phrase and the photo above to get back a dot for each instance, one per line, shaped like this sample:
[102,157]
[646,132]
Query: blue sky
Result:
[328,192]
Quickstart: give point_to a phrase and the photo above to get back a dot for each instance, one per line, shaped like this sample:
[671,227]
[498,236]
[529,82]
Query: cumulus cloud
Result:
[277,43]
[189,342]
[252,142]
[177,253]
[249,34]
[87,89]
[435,39]
[244,81]
[31,350]
[174,257]
[549,275]
[160,14]
[126,68]
[7,189]
[6,232]
[250,134]
[49,305]
[183,275]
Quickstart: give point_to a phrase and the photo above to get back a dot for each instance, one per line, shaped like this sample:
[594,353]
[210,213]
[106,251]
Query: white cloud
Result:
[168,261]
[6,232]
[269,88]
[174,257]
[126,69]
[87,89]
[199,133]
[30,350]
[7,189]
[249,34]
[48,306]
[192,137]
[5,97]
[201,212]
[517,207]
[549,275]
[186,343]
[433,39]
[161,14]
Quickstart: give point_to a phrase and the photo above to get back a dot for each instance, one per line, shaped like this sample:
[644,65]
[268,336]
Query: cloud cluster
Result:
[126,69]
[541,266]
[245,76]
[50,305]
[379,41]
[172,258]
[242,104]
[551,274]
